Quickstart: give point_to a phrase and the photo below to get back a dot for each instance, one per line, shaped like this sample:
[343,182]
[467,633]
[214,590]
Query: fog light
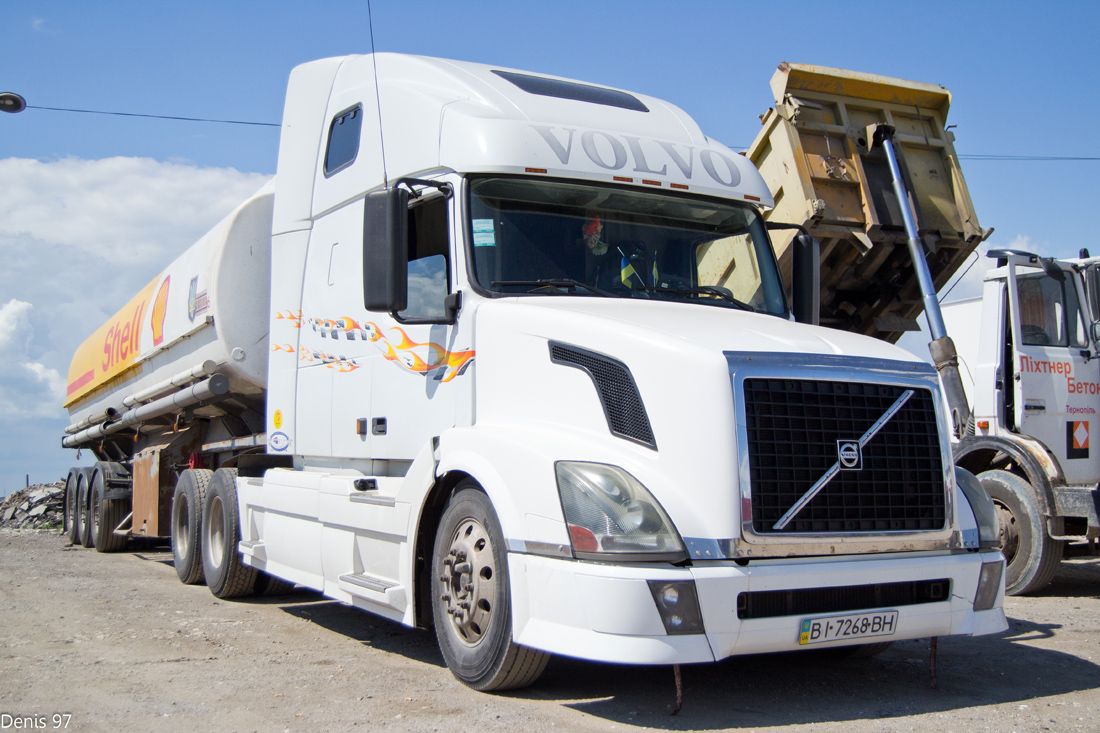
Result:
[989,585]
[678,605]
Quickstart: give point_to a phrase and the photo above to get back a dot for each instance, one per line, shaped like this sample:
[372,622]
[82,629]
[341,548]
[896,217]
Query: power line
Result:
[970,156]
[155,117]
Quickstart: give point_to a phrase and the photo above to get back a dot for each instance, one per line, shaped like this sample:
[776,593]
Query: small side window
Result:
[429,245]
[343,140]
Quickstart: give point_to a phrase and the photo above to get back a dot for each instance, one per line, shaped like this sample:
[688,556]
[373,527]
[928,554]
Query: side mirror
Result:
[806,279]
[386,250]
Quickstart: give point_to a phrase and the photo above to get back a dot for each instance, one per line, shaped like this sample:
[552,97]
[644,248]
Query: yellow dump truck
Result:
[818,160]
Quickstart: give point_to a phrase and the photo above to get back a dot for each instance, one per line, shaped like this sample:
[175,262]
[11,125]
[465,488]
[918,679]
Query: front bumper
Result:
[606,612]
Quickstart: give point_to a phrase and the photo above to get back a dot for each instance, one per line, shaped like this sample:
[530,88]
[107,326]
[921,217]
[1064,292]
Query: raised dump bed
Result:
[813,153]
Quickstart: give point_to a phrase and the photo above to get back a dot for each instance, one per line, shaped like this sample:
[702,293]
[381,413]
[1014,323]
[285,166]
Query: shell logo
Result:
[160,310]
[277,418]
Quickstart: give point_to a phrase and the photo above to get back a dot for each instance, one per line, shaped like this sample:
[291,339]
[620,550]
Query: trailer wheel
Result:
[105,514]
[83,509]
[471,603]
[226,574]
[187,501]
[1032,556]
[71,498]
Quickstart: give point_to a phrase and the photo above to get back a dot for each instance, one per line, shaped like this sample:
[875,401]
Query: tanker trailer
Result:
[173,379]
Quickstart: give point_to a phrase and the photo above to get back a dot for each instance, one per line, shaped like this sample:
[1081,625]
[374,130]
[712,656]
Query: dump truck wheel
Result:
[226,574]
[71,498]
[1032,556]
[471,600]
[187,503]
[83,509]
[106,515]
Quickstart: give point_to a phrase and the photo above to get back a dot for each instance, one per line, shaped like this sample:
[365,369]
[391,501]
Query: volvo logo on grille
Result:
[849,454]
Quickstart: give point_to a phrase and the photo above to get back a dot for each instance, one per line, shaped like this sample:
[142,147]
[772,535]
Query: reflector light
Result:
[535,170]
[624,179]
[677,185]
[989,585]
[983,424]
[651,183]
[583,539]
[751,198]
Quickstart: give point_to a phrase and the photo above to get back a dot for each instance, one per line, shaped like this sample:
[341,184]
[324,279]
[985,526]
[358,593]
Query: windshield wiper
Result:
[705,290]
[561,282]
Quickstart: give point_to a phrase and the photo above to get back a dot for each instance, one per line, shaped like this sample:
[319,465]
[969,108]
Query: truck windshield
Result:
[547,238]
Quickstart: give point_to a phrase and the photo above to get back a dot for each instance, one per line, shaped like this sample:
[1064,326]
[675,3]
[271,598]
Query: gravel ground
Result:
[117,643]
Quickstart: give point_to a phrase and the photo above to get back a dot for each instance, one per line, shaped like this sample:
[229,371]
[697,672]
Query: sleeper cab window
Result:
[343,139]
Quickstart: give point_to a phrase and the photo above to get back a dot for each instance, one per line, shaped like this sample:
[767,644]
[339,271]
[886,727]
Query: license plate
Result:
[853,626]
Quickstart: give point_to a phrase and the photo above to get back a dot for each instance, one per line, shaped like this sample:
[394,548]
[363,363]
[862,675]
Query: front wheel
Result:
[471,600]
[1031,554]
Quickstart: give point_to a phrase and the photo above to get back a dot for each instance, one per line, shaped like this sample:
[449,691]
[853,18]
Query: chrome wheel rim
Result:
[468,582]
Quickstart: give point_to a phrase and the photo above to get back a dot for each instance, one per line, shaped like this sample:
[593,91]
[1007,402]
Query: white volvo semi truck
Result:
[509,356]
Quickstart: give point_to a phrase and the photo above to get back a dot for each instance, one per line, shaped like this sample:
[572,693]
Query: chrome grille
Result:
[795,427]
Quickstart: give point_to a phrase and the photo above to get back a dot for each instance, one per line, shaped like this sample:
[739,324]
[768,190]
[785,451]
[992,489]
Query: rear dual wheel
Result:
[72,497]
[83,515]
[226,574]
[187,503]
[105,514]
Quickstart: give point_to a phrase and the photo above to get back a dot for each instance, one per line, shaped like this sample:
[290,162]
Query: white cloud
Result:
[28,388]
[78,238]
[38,23]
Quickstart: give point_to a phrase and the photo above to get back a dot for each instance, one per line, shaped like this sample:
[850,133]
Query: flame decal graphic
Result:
[427,359]
[339,363]
[288,348]
[295,316]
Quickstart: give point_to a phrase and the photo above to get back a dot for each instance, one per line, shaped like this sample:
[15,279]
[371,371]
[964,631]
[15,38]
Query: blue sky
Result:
[92,207]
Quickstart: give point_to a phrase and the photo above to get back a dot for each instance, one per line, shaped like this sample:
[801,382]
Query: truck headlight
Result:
[609,512]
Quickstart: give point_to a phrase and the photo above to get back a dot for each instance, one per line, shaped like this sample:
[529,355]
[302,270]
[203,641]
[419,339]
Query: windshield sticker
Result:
[484,233]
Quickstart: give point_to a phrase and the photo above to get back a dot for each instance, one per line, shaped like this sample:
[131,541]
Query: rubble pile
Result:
[36,507]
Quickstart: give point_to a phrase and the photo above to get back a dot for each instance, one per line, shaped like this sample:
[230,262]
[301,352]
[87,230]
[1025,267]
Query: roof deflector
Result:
[572,90]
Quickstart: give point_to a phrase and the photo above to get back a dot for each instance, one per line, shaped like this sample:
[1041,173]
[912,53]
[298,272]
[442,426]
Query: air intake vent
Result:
[776,603]
[626,416]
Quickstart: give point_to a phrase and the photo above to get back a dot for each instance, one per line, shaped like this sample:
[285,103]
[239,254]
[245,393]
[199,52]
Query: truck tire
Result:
[471,602]
[71,497]
[83,509]
[106,515]
[1032,556]
[269,585]
[187,502]
[226,574]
